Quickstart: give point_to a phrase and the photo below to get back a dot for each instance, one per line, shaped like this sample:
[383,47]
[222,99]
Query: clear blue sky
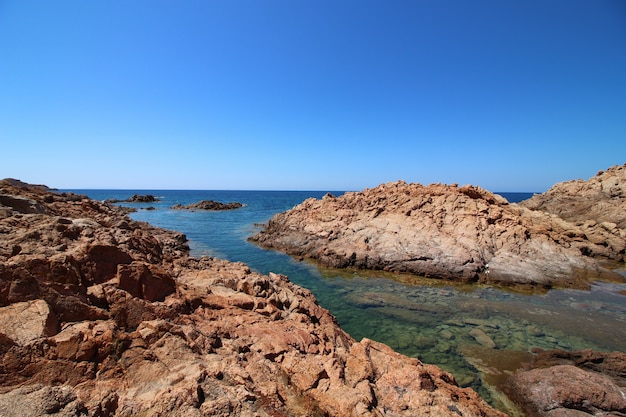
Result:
[311,94]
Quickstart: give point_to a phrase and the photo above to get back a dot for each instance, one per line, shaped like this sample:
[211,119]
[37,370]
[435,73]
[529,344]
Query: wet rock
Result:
[145,281]
[480,322]
[610,364]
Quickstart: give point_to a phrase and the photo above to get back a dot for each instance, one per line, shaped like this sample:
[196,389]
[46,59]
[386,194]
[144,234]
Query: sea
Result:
[431,320]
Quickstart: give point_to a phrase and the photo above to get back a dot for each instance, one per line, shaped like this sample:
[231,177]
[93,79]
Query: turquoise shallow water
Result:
[438,322]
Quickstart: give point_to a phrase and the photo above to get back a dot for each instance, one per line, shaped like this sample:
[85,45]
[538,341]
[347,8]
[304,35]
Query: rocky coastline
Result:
[101,315]
[464,233]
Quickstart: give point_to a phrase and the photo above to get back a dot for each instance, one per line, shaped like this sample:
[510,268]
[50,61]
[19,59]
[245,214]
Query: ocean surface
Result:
[427,319]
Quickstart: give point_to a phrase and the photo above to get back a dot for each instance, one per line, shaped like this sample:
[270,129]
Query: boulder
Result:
[570,383]
[21,204]
[135,198]
[482,338]
[566,390]
[145,281]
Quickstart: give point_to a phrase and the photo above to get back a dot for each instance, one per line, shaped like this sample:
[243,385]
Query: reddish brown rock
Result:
[40,400]
[143,329]
[136,198]
[450,232]
[566,390]
[597,202]
[610,364]
[145,281]
[25,322]
[579,383]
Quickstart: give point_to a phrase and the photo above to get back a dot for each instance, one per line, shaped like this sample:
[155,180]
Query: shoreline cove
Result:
[428,319]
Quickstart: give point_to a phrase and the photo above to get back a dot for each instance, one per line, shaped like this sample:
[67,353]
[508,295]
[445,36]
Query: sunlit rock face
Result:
[449,232]
[601,200]
[580,383]
[122,322]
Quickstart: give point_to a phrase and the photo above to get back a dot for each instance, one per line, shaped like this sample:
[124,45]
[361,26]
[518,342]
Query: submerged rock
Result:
[27,321]
[445,231]
[482,338]
[143,329]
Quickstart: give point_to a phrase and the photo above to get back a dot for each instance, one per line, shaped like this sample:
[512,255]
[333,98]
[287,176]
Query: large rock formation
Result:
[105,316]
[446,231]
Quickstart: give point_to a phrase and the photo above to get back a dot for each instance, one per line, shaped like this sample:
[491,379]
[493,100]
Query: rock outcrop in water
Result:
[104,316]
[445,231]
[208,205]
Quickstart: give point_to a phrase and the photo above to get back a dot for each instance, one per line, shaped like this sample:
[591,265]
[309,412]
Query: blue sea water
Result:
[427,319]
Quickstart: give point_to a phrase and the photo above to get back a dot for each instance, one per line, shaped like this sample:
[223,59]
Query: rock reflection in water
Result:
[480,334]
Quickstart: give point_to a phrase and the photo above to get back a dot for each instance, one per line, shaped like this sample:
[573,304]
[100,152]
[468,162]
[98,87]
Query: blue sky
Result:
[311,94]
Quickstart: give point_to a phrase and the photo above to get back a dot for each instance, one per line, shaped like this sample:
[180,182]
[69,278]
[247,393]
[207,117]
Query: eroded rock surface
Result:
[445,231]
[601,200]
[581,384]
[140,328]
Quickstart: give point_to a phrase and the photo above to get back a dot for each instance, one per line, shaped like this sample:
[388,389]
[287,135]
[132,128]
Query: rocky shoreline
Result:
[464,233]
[101,315]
